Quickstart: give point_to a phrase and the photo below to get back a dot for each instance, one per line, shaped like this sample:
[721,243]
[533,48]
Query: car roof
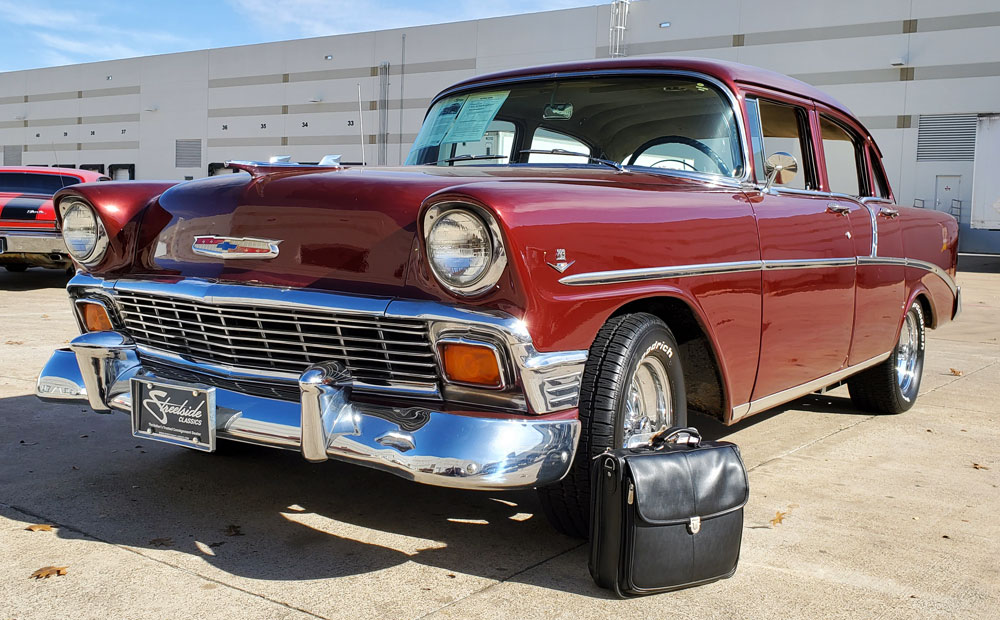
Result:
[84,175]
[730,73]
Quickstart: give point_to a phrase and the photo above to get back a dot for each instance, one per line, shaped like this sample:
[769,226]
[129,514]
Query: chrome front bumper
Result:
[33,242]
[477,451]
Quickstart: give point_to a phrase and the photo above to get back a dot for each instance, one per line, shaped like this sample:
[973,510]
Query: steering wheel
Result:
[695,144]
[682,162]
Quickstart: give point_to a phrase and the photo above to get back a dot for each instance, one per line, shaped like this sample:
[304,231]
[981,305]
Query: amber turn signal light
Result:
[95,316]
[471,364]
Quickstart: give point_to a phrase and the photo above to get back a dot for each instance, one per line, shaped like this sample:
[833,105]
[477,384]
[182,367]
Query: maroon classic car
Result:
[573,257]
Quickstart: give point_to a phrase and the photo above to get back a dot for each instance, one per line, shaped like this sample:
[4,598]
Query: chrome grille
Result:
[377,350]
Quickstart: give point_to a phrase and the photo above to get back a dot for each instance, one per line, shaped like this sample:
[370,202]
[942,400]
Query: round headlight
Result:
[464,247]
[82,232]
[460,248]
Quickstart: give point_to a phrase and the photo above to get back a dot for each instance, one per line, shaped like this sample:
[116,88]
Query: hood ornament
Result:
[561,264]
[235,247]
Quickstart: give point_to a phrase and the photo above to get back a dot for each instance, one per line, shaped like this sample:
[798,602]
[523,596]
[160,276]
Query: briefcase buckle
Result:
[694,525]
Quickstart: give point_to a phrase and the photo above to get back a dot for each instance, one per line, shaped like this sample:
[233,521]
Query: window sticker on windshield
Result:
[475,116]
[444,121]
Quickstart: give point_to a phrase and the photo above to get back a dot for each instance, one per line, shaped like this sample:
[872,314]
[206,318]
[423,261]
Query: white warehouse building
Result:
[922,75]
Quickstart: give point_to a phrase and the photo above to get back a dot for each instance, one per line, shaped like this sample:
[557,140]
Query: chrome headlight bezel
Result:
[100,243]
[497,253]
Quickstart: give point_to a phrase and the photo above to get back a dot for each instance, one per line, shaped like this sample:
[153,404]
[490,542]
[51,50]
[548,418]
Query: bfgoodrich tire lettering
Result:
[623,345]
[893,385]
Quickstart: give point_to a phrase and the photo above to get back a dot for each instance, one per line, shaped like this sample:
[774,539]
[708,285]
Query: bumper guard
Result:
[425,445]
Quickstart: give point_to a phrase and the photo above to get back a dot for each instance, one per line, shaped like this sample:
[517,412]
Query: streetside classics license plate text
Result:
[174,412]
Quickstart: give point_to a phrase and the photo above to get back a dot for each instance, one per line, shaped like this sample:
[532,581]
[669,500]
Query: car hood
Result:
[347,229]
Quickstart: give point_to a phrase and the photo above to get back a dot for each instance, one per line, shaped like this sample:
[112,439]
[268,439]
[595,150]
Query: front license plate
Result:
[174,412]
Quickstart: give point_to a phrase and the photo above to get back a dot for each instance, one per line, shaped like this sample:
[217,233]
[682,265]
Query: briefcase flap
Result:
[678,483]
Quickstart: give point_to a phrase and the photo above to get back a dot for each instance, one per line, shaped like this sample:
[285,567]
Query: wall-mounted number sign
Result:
[350,123]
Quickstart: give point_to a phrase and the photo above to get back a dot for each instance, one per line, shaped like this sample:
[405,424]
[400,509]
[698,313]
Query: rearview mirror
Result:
[780,169]
[558,112]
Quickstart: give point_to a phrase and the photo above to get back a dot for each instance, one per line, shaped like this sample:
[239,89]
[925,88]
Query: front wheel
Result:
[633,385]
[892,386]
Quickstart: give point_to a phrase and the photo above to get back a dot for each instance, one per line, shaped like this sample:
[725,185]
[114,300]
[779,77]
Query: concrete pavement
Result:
[886,516]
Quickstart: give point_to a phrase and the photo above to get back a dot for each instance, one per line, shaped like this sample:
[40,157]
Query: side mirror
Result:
[780,168]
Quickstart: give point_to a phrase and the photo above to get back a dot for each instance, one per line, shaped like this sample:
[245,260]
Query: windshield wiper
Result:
[469,158]
[606,162]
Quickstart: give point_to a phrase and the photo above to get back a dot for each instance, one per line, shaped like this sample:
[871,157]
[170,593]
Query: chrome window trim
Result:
[737,110]
[619,276]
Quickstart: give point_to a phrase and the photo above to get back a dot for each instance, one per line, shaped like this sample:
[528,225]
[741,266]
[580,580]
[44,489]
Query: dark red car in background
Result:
[29,236]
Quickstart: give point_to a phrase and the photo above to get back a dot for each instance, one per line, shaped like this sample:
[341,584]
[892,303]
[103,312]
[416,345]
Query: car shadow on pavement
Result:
[33,279]
[712,429]
[261,513]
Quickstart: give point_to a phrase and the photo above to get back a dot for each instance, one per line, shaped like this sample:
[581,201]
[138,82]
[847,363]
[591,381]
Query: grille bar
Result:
[269,338]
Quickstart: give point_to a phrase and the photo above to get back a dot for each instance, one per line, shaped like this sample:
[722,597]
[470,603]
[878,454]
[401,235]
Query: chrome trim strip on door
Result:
[658,273]
[784,396]
[619,276]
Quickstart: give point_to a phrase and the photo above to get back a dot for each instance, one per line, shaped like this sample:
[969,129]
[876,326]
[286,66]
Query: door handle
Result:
[888,212]
[833,207]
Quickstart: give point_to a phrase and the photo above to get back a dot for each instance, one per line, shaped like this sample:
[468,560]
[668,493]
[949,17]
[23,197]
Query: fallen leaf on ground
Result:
[978,466]
[162,542]
[234,530]
[778,518]
[956,372]
[14,342]
[39,527]
[47,571]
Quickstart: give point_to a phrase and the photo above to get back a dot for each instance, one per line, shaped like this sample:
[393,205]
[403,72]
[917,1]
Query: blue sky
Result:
[47,33]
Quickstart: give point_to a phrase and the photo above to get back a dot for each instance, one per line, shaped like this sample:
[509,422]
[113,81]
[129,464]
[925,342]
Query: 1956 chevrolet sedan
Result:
[572,257]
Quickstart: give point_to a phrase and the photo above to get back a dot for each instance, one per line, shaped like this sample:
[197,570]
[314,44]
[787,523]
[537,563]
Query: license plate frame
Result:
[174,412]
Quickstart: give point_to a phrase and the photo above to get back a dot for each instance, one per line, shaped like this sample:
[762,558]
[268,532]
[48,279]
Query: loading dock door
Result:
[985,180]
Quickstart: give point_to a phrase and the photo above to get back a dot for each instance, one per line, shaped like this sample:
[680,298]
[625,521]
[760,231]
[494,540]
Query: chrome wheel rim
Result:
[648,402]
[907,352]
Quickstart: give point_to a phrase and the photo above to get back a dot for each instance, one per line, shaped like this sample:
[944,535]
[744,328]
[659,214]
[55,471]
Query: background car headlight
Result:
[83,232]
[464,248]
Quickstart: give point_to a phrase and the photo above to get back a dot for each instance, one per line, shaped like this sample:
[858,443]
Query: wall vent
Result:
[12,154]
[946,137]
[187,154]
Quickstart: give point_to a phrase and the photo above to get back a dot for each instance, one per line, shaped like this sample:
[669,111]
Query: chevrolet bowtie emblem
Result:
[561,264]
[235,247]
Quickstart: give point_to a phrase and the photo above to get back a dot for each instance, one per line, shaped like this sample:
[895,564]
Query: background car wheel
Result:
[633,384]
[16,268]
[893,385]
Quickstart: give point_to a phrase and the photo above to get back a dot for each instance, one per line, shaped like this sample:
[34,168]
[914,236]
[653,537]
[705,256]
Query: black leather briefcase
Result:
[668,515]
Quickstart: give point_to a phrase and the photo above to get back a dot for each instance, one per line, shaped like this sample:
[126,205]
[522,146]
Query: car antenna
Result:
[62,180]
[361,126]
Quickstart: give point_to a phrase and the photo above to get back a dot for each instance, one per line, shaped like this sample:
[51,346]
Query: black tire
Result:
[16,268]
[619,347]
[880,389]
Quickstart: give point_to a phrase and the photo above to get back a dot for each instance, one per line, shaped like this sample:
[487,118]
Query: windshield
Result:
[678,123]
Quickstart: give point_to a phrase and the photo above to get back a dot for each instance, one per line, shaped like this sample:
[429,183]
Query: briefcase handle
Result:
[675,434]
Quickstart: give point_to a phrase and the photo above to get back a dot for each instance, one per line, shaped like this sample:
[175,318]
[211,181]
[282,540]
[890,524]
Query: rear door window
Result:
[843,159]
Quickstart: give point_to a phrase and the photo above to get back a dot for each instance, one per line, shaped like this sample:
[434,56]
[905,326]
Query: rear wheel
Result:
[633,385]
[893,385]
